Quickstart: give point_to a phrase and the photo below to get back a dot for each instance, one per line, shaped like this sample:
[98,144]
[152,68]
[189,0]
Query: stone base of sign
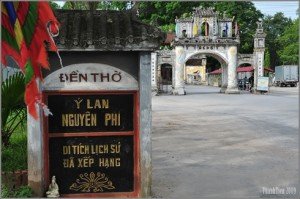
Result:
[232,91]
[178,91]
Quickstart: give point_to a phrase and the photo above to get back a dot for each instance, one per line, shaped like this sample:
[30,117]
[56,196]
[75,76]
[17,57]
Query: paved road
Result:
[212,145]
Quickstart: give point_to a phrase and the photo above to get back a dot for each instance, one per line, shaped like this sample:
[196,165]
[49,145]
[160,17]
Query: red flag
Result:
[25,27]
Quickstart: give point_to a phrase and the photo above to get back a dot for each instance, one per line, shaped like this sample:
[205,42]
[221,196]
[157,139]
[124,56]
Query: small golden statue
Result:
[53,189]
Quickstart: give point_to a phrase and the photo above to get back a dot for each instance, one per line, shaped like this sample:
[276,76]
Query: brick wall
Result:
[15,179]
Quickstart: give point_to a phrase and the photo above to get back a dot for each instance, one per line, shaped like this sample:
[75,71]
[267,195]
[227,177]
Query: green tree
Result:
[13,109]
[267,61]
[164,13]
[78,5]
[97,5]
[274,26]
[289,44]
[54,5]
[113,5]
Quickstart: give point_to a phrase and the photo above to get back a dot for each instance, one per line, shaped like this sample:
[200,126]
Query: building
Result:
[197,38]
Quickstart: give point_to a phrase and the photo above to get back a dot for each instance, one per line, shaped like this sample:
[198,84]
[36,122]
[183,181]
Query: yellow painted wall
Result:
[193,69]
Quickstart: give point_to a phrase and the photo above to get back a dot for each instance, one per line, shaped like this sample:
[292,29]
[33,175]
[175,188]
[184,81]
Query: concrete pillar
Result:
[173,76]
[258,67]
[185,74]
[204,62]
[255,79]
[204,74]
[224,78]
[232,74]
[158,77]
[179,71]
[145,125]
[35,154]
[154,73]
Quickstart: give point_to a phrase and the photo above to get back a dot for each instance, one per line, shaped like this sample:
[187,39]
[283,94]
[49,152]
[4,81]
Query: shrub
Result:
[14,156]
[13,109]
[21,192]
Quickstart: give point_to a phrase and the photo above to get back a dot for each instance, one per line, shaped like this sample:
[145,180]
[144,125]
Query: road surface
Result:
[211,145]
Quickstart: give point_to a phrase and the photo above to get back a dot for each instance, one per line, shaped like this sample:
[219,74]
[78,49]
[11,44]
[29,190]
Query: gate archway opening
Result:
[244,71]
[166,76]
[245,64]
[206,69]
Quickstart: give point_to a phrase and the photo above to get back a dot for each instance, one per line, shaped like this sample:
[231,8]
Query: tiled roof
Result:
[105,31]
[205,11]
[169,38]
[218,71]
[245,69]
[240,69]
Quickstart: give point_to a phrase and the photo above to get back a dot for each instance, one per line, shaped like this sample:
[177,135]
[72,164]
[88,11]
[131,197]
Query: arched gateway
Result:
[207,34]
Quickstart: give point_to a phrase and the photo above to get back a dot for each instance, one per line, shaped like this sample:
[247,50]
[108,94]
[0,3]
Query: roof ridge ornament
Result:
[259,24]
[201,11]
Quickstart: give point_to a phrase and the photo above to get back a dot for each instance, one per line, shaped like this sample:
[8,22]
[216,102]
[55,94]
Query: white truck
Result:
[286,75]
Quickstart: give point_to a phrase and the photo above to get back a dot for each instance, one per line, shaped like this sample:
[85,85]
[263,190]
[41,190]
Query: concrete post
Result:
[35,153]
[154,73]
[224,78]
[259,51]
[173,76]
[258,66]
[145,124]
[232,75]
[255,74]
[179,71]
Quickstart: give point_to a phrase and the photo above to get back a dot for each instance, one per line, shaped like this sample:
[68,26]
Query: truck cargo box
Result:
[286,75]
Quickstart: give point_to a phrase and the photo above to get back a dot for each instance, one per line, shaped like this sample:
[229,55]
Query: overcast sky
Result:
[288,7]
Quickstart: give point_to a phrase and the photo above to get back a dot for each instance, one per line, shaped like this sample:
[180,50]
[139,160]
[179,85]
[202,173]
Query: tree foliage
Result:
[97,5]
[289,44]
[13,109]
[78,5]
[274,27]
[54,5]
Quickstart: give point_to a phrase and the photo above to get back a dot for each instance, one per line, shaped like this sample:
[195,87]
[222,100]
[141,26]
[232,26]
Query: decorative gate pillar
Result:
[232,75]
[154,72]
[259,52]
[224,79]
[179,71]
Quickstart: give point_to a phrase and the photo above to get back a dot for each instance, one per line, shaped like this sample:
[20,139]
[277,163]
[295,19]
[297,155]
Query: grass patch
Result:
[14,156]
[21,192]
